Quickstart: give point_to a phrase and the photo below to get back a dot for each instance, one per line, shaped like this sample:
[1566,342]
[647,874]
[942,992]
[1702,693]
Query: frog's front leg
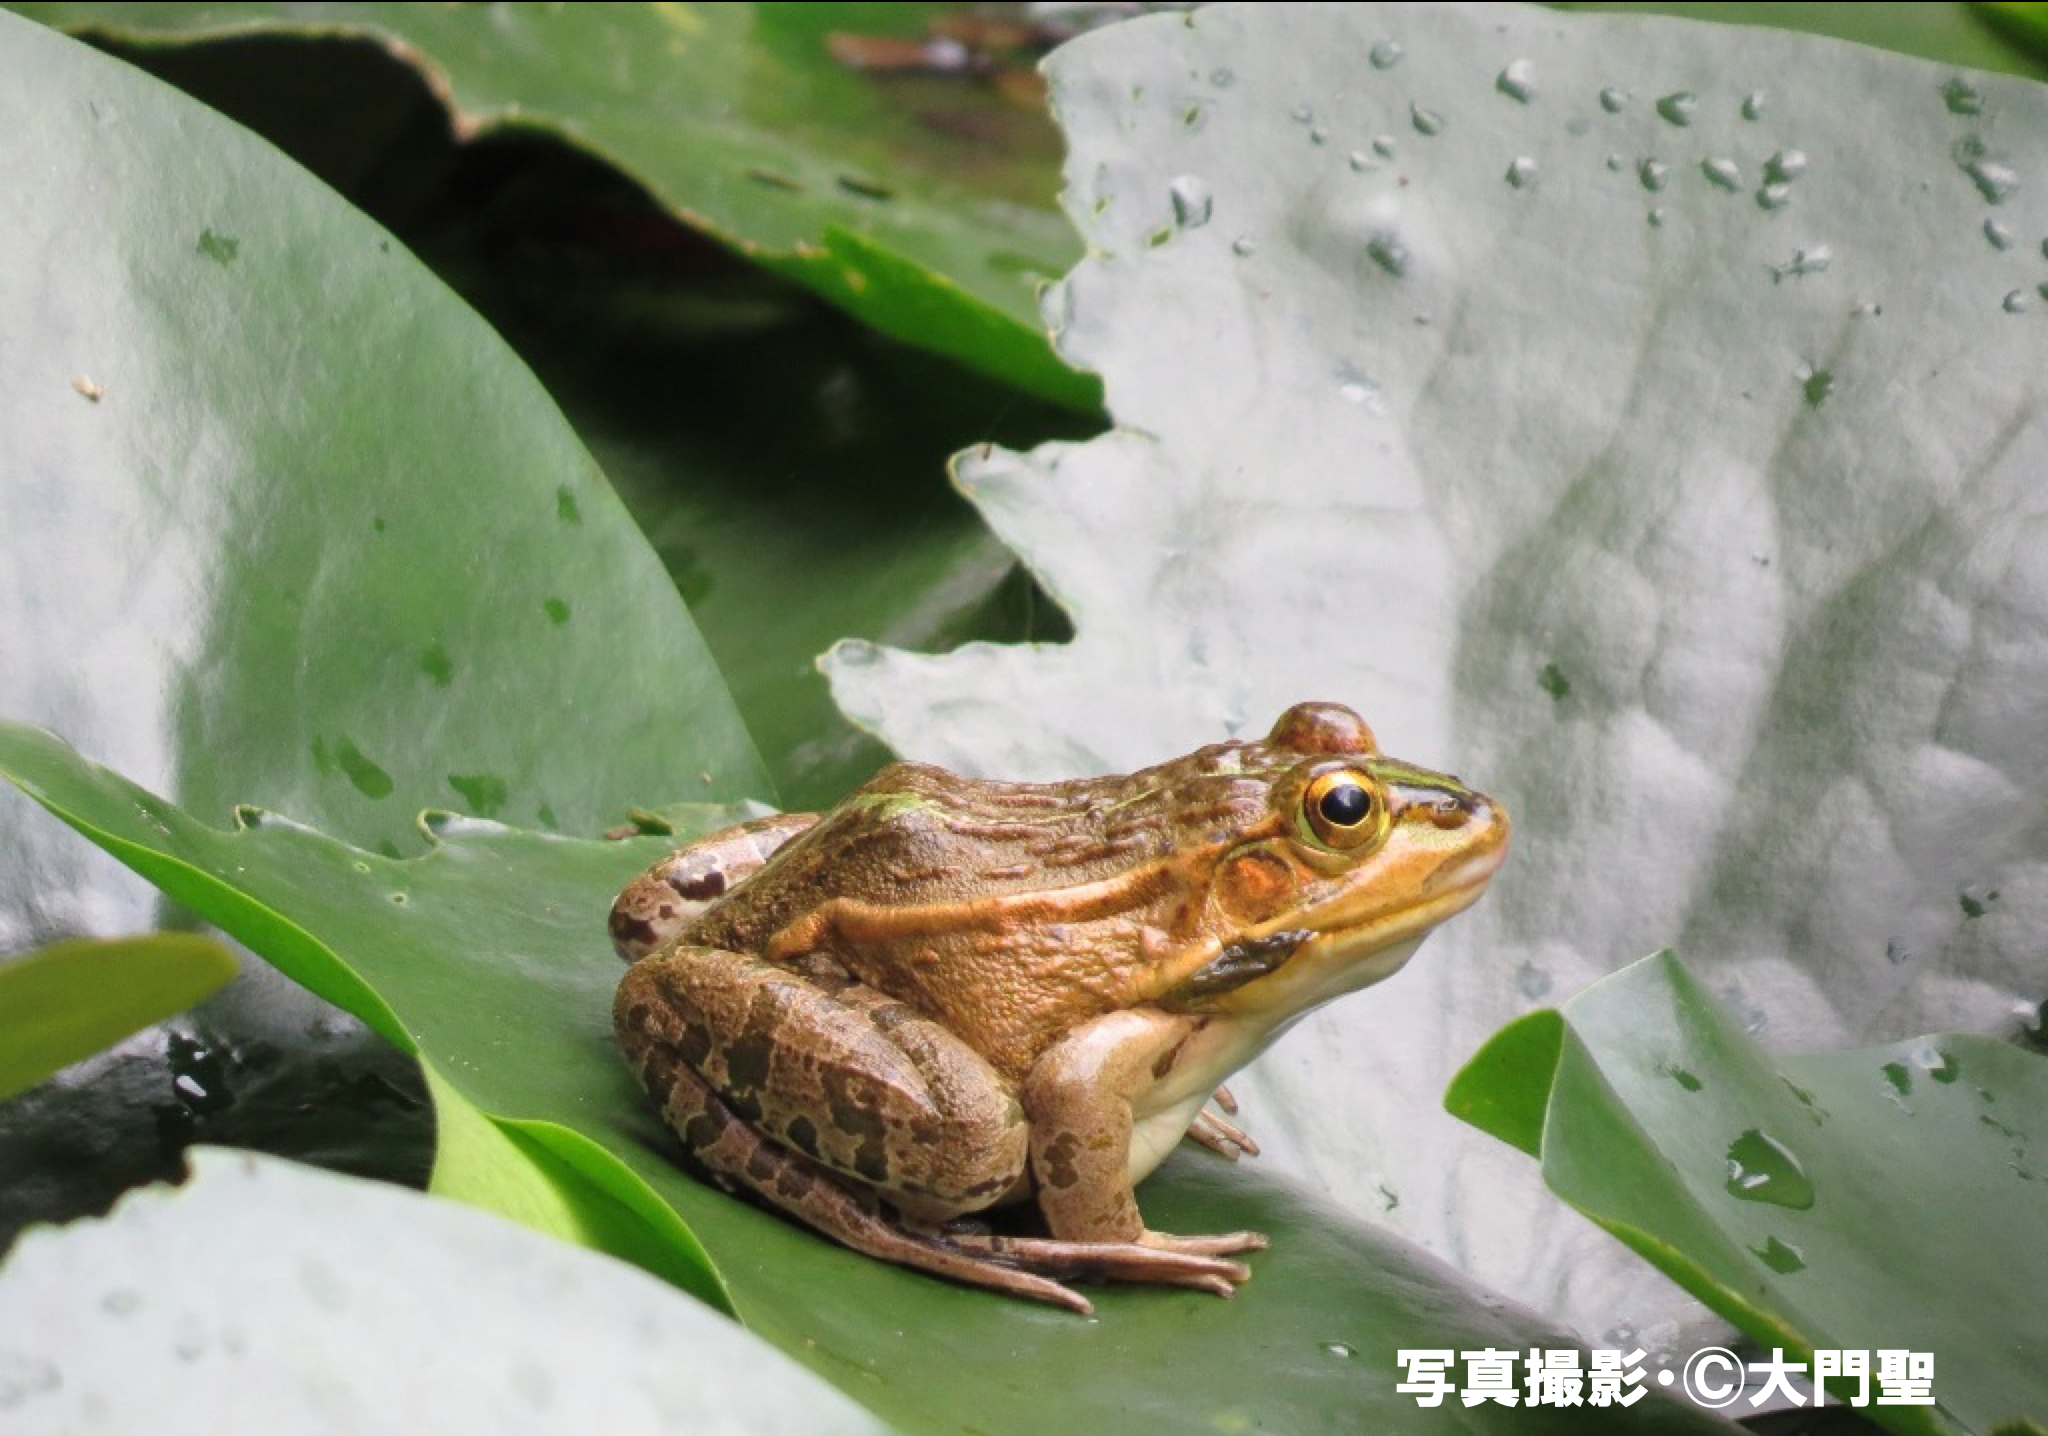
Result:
[1080,1097]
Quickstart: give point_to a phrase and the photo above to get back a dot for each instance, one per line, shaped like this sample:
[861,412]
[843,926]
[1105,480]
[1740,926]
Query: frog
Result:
[951,995]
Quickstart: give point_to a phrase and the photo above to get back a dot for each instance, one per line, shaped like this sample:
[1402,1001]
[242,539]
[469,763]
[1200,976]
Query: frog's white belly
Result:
[1160,1118]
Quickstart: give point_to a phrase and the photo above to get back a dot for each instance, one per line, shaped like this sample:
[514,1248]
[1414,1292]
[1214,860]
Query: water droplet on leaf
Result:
[1613,99]
[1785,166]
[1803,262]
[1386,54]
[1654,174]
[1763,1169]
[1517,81]
[1679,108]
[1994,180]
[1962,97]
[1521,172]
[1722,173]
[1426,122]
[1940,1065]
[1192,202]
[1780,1256]
[1753,105]
[1388,253]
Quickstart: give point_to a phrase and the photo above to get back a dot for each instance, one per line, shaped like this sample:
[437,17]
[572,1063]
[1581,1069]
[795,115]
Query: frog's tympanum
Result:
[946,994]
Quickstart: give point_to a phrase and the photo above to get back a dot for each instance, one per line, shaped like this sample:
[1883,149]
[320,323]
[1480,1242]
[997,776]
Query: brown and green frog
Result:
[947,994]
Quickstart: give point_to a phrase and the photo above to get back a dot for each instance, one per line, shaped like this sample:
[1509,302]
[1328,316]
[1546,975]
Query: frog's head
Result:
[1358,857]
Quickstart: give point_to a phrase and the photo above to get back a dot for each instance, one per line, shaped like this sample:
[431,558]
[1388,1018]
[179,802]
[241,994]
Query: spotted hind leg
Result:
[739,1157]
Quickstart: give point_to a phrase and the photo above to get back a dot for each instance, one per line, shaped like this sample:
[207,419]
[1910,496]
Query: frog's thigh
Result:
[863,1084]
[1078,1099]
[661,902]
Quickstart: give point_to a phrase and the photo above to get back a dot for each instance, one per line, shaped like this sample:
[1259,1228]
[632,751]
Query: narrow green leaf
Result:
[63,1003]
[1502,1090]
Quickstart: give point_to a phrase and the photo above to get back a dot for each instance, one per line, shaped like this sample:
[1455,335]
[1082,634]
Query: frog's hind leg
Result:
[656,906]
[739,1156]
[830,1099]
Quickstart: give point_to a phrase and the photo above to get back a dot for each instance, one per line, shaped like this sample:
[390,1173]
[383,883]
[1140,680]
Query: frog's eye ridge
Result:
[1343,809]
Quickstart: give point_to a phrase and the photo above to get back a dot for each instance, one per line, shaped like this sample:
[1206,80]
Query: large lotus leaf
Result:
[69,1000]
[1889,1198]
[292,1299]
[487,956]
[287,524]
[920,203]
[1641,418]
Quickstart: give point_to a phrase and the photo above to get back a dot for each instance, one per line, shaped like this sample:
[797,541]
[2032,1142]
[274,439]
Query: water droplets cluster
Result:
[1684,117]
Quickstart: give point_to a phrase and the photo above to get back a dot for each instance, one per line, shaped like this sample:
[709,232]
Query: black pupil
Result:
[1346,805]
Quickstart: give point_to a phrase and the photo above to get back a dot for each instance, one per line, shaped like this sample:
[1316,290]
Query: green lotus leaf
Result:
[487,957]
[1890,1198]
[301,531]
[919,202]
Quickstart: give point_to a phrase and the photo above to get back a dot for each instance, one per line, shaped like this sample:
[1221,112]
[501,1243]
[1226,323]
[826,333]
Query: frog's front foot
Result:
[1158,1258]
[1220,1135]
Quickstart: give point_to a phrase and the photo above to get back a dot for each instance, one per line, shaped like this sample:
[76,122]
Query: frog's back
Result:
[916,835]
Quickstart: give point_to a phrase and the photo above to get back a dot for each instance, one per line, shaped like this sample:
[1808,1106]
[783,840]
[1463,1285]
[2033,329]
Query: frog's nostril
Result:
[1451,810]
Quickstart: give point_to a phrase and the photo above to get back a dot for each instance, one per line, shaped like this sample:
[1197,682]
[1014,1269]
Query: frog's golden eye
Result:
[1343,809]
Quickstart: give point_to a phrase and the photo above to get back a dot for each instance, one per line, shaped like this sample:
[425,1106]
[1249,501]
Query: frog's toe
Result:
[1146,1260]
[1221,1136]
[1222,1244]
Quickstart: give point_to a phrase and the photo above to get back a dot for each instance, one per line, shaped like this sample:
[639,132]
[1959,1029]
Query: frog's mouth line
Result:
[1452,887]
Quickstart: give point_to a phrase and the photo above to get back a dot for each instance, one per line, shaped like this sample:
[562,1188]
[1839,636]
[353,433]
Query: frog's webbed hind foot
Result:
[1157,1258]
